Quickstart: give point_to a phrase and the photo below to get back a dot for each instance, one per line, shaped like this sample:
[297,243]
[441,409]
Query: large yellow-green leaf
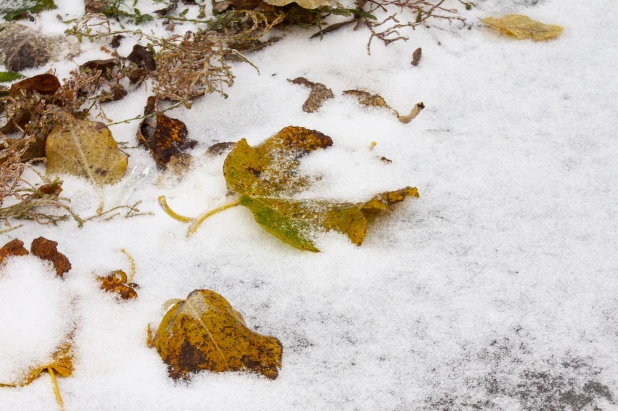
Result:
[204,332]
[523,27]
[84,148]
[293,221]
[271,167]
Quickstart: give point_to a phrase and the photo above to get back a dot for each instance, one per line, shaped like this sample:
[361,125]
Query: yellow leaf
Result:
[204,332]
[84,148]
[523,27]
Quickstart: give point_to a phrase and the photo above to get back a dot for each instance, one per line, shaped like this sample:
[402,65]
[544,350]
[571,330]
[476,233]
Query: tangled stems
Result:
[197,221]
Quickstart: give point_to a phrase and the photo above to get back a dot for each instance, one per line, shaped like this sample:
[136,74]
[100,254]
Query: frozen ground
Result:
[496,290]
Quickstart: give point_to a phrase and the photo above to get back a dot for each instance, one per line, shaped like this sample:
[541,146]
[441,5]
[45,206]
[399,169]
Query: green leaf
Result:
[6,76]
[19,9]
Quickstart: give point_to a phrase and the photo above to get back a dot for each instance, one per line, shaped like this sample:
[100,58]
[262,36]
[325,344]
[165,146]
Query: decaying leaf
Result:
[12,248]
[163,136]
[271,168]
[375,100]
[43,84]
[204,332]
[306,4]
[416,56]
[523,27]
[267,175]
[142,57]
[117,282]
[47,250]
[84,148]
[219,148]
[319,93]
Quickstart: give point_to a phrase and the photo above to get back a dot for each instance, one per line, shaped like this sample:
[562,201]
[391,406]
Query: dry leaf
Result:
[116,282]
[204,332]
[523,27]
[12,248]
[42,84]
[306,4]
[319,93]
[375,100]
[142,57]
[84,148]
[163,136]
[220,148]
[416,56]
[46,250]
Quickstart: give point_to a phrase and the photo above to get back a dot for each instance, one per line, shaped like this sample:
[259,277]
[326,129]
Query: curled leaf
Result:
[84,148]
[375,100]
[116,282]
[319,94]
[204,332]
[523,27]
[12,248]
[47,250]
[164,136]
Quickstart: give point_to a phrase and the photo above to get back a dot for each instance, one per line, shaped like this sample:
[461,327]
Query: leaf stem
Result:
[200,219]
[172,213]
[56,390]
[132,262]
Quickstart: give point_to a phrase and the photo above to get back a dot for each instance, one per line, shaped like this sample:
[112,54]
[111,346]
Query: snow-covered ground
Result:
[496,290]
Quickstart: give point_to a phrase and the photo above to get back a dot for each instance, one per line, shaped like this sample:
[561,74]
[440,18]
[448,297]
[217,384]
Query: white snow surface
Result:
[497,289]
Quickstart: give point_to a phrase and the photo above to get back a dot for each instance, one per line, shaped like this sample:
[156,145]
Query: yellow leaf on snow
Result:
[204,332]
[523,27]
[84,148]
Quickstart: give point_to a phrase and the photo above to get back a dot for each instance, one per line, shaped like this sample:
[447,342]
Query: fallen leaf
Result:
[84,148]
[306,4]
[375,100]
[142,57]
[43,84]
[47,250]
[164,137]
[523,27]
[319,93]
[220,148]
[116,282]
[204,332]
[416,56]
[12,248]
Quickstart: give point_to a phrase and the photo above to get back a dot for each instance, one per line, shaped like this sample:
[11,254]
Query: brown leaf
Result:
[46,250]
[84,148]
[142,57]
[115,43]
[416,110]
[220,148]
[42,84]
[164,137]
[416,56]
[12,248]
[319,94]
[204,332]
[367,99]
[116,282]
[106,67]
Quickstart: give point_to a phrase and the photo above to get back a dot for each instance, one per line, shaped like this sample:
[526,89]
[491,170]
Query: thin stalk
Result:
[132,262]
[172,213]
[56,390]
[201,218]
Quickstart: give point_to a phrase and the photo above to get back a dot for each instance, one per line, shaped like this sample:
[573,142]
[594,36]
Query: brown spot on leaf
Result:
[46,250]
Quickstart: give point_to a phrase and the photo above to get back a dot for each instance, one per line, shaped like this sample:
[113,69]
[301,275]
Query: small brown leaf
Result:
[115,43]
[12,248]
[142,57]
[220,148]
[367,99]
[204,332]
[42,84]
[416,110]
[116,282]
[46,250]
[416,56]
[319,93]
[164,137]
[84,148]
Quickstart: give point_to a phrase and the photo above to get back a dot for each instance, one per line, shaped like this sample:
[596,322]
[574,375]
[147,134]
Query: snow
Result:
[496,289]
